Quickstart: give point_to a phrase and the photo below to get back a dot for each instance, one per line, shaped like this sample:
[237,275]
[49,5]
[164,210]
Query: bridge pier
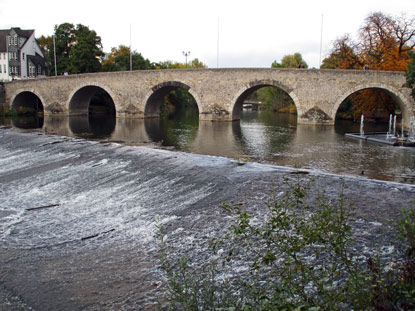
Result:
[315,116]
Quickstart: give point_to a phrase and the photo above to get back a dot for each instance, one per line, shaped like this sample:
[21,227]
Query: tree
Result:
[291,61]
[78,49]
[410,74]
[85,54]
[46,44]
[64,41]
[384,44]
[385,41]
[343,55]
[195,63]
[119,60]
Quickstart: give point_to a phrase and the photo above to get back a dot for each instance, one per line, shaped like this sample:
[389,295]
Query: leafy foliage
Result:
[85,54]
[410,75]
[291,61]
[343,55]
[274,98]
[119,60]
[195,63]
[385,43]
[78,49]
[299,257]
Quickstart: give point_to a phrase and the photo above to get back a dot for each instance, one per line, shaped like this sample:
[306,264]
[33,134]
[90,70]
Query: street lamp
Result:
[185,54]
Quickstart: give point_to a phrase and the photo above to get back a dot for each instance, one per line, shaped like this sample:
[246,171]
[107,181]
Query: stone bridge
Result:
[219,93]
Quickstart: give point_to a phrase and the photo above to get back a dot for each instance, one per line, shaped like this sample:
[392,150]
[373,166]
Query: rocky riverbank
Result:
[78,217]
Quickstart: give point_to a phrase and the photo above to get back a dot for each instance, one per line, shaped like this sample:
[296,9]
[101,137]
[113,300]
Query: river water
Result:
[259,136]
[78,218]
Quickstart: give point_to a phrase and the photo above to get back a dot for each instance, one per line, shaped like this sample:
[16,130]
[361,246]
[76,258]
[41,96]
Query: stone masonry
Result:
[219,93]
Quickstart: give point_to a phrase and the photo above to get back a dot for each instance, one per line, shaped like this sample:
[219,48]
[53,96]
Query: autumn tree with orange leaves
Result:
[384,43]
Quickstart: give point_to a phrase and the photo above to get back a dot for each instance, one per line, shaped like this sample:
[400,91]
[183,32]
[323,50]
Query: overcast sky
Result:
[252,33]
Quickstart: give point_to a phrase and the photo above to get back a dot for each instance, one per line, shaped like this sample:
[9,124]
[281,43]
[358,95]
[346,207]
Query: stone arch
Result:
[252,86]
[27,99]
[153,98]
[397,95]
[79,100]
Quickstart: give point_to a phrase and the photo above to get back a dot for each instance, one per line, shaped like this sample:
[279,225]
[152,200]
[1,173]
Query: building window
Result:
[4,67]
[15,40]
[23,56]
[39,70]
[0,69]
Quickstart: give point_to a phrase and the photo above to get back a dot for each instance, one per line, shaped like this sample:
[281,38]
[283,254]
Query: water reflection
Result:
[95,126]
[28,122]
[259,136]
[178,130]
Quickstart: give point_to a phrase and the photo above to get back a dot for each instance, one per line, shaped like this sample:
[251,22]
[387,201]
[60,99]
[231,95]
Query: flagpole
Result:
[217,51]
[321,39]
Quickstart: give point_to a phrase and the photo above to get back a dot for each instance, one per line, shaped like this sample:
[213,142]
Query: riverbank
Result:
[78,217]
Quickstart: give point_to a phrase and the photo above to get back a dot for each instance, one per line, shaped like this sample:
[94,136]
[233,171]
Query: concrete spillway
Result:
[77,218]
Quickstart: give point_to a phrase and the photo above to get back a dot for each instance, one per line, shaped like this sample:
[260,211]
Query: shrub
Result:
[299,257]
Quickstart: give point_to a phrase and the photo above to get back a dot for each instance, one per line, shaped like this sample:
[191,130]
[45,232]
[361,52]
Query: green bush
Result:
[300,256]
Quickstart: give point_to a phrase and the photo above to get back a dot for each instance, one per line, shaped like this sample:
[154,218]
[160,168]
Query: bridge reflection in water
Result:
[259,136]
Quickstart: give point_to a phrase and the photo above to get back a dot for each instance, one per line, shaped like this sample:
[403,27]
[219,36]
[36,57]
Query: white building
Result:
[20,55]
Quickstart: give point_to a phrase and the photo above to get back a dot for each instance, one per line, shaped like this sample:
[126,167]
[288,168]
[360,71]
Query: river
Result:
[78,217]
[259,136]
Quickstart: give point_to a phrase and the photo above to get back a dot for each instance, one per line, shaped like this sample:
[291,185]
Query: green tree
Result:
[46,45]
[291,61]
[64,41]
[119,60]
[195,63]
[78,49]
[86,52]
[410,74]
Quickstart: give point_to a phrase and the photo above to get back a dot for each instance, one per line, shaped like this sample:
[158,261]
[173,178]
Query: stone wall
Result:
[2,97]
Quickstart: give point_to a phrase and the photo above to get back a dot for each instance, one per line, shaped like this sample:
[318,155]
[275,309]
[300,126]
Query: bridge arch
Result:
[80,99]
[154,98]
[398,97]
[27,100]
[253,86]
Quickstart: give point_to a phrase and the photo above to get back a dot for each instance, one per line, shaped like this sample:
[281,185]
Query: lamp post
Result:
[185,54]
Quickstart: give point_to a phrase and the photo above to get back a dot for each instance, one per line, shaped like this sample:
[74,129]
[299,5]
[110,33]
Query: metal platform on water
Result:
[382,138]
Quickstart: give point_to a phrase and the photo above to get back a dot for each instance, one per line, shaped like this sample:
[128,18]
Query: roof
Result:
[23,33]
[3,39]
[37,60]
[20,32]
